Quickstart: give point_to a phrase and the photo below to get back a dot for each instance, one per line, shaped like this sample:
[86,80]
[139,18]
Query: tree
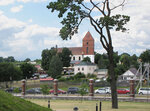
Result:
[125,60]
[55,67]
[27,60]
[27,70]
[97,57]
[75,11]
[145,56]
[86,59]
[46,57]
[9,72]
[9,59]
[65,57]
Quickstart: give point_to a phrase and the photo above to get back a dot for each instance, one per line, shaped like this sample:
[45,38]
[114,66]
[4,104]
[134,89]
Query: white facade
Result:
[101,73]
[77,58]
[86,69]
[128,75]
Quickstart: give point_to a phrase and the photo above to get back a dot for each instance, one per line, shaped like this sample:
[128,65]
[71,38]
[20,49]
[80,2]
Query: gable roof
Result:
[131,71]
[74,50]
[88,37]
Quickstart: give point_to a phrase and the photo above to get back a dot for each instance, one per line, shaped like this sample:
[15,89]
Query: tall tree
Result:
[75,11]
[27,70]
[55,67]
[47,56]
[145,56]
[86,59]
[65,57]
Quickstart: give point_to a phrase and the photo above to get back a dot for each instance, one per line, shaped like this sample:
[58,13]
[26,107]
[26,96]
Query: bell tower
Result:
[88,44]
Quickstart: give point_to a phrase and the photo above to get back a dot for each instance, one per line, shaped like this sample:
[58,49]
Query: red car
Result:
[123,91]
[60,91]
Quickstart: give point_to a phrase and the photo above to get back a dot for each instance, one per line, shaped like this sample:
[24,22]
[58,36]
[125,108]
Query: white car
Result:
[144,91]
[105,90]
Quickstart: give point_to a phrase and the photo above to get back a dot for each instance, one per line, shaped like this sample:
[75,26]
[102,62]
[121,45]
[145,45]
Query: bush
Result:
[79,75]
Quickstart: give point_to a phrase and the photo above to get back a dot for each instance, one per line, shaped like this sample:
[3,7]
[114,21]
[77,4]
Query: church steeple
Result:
[88,44]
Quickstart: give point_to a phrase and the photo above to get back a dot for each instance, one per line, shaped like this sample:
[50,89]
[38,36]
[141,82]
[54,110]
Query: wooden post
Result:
[55,87]
[91,87]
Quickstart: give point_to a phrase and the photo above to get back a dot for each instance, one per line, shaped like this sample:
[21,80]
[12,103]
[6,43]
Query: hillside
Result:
[11,103]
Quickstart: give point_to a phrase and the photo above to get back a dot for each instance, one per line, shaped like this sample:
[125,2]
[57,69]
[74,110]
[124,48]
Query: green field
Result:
[68,105]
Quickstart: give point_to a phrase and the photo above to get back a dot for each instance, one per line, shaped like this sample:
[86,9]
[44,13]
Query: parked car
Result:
[123,91]
[13,89]
[104,90]
[73,90]
[59,91]
[33,91]
[144,91]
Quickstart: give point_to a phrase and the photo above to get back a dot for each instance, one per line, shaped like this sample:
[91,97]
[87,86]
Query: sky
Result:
[27,27]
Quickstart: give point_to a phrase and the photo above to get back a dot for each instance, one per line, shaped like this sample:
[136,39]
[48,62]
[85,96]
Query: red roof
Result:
[74,50]
[88,36]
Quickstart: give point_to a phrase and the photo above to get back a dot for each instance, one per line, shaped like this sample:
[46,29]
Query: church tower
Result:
[88,46]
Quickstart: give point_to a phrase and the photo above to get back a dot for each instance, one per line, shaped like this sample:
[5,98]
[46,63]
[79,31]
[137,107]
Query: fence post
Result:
[100,106]
[91,87]
[132,88]
[55,87]
[23,87]
[96,107]
[48,103]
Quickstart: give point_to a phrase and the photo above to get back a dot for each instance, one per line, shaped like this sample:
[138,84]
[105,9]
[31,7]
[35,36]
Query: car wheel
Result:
[140,93]
[127,93]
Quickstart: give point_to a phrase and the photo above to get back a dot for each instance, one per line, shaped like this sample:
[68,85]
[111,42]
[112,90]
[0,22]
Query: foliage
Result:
[46,57]
[86,59]
[27,70]
[9,72]
[12,103]
[145,56]
[45,89]
[83,89]
[79,75]
[91,76]
[65,56]
[27,60]
[75,11]
[55,67]
[8,59]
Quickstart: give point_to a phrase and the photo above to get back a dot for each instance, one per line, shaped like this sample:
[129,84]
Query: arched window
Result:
[73,58]
[79,58]
[87,43]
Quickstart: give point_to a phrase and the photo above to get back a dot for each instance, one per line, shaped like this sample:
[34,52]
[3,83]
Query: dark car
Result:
[13,89]
[73,90]
[33,91]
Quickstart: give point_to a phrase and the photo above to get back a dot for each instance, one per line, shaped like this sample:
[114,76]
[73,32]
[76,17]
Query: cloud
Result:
[6,2]
[16,9]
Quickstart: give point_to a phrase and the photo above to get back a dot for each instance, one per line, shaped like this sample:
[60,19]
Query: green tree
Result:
[145,56]
[27,60]
[83,90]
[1,59]
[97,57]
[27,70]
[46,57]
[9,72]
[65,57]
[45,89]
[10,59]
[55,67]
[125,60]
[75,11]
[86,59]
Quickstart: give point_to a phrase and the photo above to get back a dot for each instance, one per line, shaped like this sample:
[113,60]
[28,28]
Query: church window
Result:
[87,50]
[87,43]
[79,58]
[78,69]
[73,58]
[82,69]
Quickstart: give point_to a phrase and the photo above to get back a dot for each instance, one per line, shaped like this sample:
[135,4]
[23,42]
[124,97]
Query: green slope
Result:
[11,103]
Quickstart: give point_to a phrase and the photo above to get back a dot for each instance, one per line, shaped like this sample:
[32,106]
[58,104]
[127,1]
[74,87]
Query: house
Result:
[85,67]
[131,74]
[87,49]
[101,73]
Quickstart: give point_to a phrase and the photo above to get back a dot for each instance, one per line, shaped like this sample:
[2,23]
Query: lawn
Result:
[68,105]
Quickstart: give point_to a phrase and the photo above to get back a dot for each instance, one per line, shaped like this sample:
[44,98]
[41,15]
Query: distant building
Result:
[85,67]
[87,49]
[131,74]
[101,73]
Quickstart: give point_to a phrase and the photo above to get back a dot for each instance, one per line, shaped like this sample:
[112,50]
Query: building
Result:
[101,73]
[131,74]
[87,49]
[85,67]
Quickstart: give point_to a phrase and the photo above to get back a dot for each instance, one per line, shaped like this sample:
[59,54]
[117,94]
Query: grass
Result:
[11,103]
[68,105]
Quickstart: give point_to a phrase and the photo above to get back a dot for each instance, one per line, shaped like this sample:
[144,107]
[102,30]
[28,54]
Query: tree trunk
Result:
[112,79]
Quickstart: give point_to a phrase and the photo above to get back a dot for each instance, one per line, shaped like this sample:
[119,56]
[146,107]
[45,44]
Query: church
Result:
[87,49]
